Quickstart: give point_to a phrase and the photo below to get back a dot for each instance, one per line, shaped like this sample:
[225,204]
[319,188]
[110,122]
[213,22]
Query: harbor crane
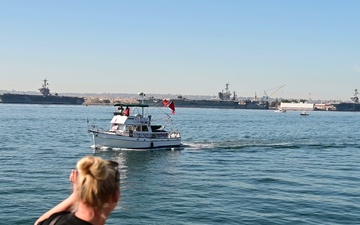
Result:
[266,96]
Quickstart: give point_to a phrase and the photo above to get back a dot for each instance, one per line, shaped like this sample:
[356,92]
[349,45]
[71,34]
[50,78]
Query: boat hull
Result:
[205,104]
[355,107]
[112,140]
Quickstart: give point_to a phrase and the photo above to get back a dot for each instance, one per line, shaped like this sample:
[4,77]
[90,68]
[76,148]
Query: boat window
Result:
[155,127]
[114,127]
[144,128]
[138,128]
[121,127]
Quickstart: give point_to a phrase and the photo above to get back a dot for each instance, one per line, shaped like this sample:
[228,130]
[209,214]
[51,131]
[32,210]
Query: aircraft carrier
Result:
[226,100]
[44,98]
[349,106]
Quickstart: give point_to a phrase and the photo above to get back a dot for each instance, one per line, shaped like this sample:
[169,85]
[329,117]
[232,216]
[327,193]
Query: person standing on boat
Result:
[96,192]
[121,110]
[127,111]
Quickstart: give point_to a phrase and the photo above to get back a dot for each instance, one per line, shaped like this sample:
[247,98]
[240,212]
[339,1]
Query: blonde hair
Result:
[98,181]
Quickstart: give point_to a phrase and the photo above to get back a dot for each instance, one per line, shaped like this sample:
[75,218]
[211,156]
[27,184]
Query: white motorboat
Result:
[281,110]
[135,131]
[304,113]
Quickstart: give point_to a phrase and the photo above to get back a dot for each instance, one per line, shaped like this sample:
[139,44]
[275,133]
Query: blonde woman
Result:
[96,192]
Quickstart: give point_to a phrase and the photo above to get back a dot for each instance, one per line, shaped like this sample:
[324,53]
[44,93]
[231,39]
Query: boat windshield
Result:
[121,127]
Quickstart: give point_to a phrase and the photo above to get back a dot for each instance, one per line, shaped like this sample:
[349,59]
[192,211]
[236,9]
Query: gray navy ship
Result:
[349,106]
[226,100]
[45,98]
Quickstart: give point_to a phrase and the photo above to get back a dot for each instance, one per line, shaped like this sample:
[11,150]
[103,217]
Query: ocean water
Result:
[236,166]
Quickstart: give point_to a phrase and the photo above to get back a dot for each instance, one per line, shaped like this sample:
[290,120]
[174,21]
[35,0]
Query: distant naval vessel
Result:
[45,98]
[349,106]
[226,100]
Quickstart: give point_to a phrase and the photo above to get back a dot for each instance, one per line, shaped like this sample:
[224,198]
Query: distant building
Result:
[325,107]
[297,106]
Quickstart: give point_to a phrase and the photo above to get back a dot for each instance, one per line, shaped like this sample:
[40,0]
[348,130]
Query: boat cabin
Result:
[136,124]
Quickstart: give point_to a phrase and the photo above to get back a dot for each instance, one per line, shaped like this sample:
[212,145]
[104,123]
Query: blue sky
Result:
[182,47]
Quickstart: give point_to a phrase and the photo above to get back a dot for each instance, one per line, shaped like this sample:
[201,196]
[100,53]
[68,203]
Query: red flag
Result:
[165,102]
[172,107]
[169,104]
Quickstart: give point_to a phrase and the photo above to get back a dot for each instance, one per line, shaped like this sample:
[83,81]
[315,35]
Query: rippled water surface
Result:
[236,166]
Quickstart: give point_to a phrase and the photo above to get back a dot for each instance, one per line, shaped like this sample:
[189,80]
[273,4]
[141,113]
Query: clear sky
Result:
[182,46]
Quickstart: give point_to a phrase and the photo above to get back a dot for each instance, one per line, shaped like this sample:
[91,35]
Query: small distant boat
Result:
[135,131]
[281,110]
[303,113]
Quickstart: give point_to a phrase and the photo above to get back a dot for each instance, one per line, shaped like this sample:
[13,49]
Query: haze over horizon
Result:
[182,47]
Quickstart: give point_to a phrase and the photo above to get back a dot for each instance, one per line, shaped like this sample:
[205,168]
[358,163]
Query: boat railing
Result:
[160,135]
[157,135]
[96,129]
[139,119]
[144,120]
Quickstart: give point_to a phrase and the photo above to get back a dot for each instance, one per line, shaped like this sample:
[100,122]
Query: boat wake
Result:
[263,146]
[240,145]
[199,146]
[232,145]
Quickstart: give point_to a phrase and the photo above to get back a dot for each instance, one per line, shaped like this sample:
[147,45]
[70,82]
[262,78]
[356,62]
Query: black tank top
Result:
[63,218]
